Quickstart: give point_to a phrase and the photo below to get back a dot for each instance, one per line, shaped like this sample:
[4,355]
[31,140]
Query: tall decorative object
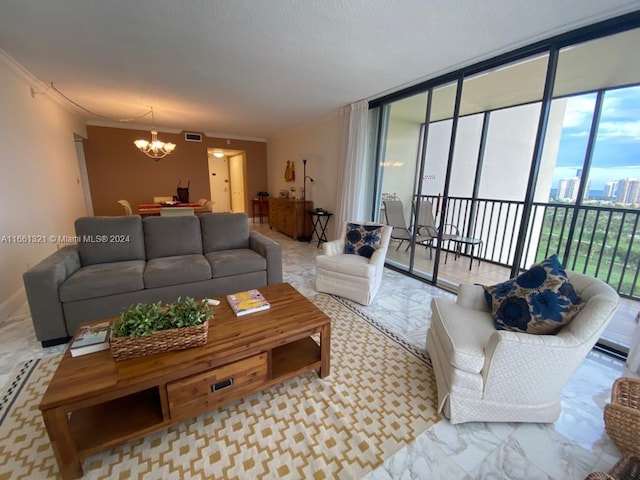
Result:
[305,238]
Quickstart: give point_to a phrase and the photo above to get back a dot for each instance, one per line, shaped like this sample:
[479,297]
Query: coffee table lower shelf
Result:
[96,427]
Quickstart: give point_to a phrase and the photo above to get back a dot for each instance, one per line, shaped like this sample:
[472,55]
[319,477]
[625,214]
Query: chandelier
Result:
[154,149]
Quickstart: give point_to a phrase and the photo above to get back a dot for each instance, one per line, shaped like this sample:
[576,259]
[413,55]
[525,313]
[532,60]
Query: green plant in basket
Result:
[189,313]
[145,318]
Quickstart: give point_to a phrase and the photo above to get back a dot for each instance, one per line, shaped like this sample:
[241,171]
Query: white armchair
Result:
[484,374]
[351,276]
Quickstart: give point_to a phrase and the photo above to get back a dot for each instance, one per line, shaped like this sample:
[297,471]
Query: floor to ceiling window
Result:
[511,174]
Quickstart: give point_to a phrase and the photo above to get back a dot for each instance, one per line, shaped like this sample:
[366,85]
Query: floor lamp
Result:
[305,238]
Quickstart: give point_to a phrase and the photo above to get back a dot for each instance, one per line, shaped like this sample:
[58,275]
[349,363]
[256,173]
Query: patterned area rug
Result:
[380,395]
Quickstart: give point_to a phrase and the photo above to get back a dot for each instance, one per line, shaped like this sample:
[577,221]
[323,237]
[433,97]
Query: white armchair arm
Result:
[536,366]
[378,257]
[472,296]
[335,247]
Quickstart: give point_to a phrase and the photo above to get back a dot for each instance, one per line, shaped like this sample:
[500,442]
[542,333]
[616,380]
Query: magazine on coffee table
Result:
[89,339]
[243,303]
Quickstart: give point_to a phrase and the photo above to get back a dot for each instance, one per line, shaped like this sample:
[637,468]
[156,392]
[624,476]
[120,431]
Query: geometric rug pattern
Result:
[379,396]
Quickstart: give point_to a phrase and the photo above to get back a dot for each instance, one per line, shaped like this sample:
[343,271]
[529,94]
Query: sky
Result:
[617,150]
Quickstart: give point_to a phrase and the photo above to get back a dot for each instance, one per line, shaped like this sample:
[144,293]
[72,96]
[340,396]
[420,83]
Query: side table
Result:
[263,208]
[459,242]
[319,221]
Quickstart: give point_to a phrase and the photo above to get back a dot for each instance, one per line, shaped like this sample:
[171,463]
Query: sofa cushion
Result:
[354,265]
[362,240]
[102,280]
[235,262]
[540,300]
[109,239]
[172,236]
[224,231]
[165,271]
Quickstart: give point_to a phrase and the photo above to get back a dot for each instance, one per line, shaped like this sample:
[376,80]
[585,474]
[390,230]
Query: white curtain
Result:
[633,360]
[352,166]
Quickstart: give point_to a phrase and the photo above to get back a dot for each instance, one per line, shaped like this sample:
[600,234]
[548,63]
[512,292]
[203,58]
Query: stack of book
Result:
[251,301]
[89,339]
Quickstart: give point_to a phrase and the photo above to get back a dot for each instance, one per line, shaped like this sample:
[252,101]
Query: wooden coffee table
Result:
[94,403]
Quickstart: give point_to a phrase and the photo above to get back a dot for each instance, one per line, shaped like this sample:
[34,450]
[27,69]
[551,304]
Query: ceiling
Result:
[254,68]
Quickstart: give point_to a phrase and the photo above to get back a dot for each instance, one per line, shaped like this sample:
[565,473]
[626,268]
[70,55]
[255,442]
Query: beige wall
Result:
[321,142]
[118,170]
[40,189]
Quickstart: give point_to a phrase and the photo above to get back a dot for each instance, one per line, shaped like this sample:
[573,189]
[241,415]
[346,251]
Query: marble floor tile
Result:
[508,462]
[569,449]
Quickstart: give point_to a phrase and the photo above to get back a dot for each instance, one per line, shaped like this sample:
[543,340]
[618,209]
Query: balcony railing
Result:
[604,241]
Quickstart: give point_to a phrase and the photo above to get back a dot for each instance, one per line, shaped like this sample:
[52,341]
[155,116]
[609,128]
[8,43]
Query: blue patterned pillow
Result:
[362,240]
[540,300]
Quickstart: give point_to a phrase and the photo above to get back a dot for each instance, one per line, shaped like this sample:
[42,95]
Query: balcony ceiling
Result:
[601,63]
[252,68]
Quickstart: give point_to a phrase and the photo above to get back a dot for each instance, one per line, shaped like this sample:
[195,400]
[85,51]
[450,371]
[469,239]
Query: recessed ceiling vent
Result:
[192,137]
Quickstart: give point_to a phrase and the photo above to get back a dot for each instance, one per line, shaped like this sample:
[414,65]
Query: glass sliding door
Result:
[520,169]
[430,194]
[494,146]
[399,163]
[586,207]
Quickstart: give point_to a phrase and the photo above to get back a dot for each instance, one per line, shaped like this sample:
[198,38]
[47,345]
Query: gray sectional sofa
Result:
[120,261]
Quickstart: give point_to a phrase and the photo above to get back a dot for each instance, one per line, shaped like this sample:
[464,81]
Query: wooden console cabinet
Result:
[290,217]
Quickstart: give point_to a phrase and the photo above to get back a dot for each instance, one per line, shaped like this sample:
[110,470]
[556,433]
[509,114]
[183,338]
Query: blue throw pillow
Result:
[540,300]
[362,240]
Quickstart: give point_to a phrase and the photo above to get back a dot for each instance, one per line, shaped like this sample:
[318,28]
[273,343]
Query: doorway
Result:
[227,180]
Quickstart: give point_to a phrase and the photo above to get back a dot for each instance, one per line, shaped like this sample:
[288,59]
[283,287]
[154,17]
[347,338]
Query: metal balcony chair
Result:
[394,214]
[426,226]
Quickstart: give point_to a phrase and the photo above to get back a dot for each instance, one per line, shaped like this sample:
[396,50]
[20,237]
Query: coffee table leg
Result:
[64,447]
[325,350]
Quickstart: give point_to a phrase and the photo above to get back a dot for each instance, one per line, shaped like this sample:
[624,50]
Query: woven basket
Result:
[123,348]
[628,468]
[622,415]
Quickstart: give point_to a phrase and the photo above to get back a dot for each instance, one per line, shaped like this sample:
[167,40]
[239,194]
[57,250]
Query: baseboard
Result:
[12,303]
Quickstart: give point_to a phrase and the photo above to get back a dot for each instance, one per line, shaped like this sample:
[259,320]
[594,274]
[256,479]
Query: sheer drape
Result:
[352,166]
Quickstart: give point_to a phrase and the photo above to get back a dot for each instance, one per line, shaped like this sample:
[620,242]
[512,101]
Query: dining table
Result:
[151,209]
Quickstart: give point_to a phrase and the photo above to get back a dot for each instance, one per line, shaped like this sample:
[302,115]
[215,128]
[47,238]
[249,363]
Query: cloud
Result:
[612,129]
[579,111]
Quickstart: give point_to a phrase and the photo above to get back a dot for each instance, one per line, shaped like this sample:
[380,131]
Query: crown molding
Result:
[38,87]
[235,137]
[22,72]
[132,126]
[147,127]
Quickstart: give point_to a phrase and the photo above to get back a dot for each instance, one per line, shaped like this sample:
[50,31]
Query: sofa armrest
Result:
[272,251]
[41,284]
[472,296]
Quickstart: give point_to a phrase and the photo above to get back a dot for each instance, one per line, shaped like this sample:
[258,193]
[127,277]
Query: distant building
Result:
[568,189]
[628,190]
[610,189]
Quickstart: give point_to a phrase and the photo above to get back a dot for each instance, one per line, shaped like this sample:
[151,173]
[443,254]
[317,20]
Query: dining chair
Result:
[176,211]
[127,207]
[162,199]
[394,213]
